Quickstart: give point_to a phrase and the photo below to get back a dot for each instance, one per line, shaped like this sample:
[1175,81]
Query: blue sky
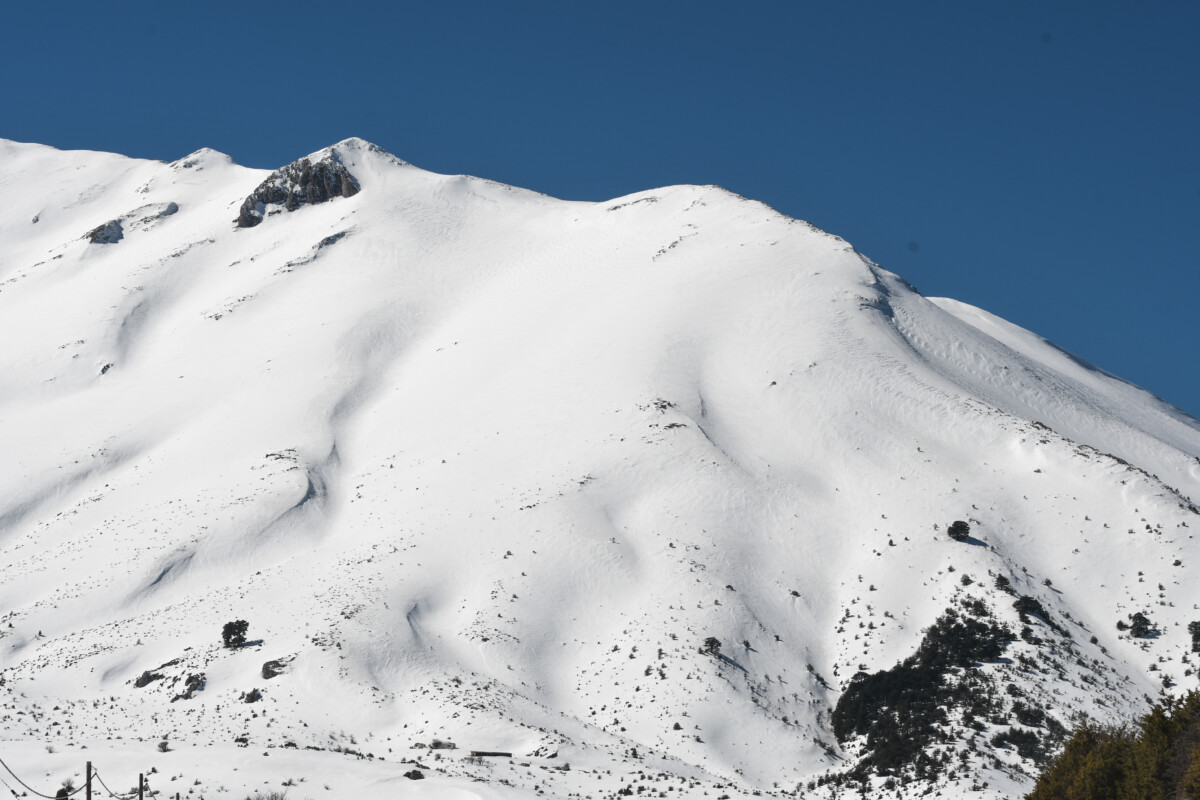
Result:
[1036,159]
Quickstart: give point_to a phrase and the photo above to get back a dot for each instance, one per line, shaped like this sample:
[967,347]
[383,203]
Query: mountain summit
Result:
[668,492]
[316,179]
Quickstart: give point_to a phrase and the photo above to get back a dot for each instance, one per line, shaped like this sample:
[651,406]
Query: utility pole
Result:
[88,786]
[141,786]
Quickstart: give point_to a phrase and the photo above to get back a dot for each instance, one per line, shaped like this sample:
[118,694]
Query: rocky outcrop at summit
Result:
[299,183]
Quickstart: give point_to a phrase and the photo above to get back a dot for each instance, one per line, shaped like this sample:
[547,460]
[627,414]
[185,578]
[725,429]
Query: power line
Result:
[31,789]
[111,793]
[6,786]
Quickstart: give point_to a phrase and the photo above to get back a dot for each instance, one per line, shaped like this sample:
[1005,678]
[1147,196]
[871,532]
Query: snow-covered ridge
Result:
[484,466]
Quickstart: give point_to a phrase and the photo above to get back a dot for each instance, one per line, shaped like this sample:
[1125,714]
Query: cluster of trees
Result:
[1026,607]
[902,710]
[1157,758]
[1139,625]
[234,633]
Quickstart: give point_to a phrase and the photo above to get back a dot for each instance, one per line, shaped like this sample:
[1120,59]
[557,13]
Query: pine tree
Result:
[1190,784]
[1140,625]
[1157,760]
[234,633]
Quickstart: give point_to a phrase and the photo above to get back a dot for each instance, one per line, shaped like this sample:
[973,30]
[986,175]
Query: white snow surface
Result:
[484,466]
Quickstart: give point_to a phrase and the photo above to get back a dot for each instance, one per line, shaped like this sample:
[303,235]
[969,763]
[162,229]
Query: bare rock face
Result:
[110,232]
[139,219]
[299,183]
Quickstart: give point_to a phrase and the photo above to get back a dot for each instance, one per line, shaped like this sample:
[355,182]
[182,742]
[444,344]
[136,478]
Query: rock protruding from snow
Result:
[200,159]
[110,232]
[299,183]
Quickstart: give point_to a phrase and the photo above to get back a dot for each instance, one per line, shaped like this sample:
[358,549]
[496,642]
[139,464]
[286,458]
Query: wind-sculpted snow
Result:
[485,467]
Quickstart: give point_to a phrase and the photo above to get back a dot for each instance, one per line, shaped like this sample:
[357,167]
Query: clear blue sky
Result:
[1037,159]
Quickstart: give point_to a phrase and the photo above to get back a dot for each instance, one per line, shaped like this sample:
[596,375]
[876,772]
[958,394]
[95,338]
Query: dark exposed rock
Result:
[110,232]
[332,239]
[113,231]
[299,183]
[193,684]
[146,678]
[160,212]
[271,669]
[414,775]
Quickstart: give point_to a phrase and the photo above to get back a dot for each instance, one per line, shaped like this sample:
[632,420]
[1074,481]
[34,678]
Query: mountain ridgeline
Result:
[670,492]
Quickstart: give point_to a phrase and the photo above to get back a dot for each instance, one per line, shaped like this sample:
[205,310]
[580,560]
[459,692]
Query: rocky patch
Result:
[139,219]
[299,183]
[110,232]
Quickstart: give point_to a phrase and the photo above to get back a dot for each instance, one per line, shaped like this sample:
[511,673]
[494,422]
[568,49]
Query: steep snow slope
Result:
[484,466]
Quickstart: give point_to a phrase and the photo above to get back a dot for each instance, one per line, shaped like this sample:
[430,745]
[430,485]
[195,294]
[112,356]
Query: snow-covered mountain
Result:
[486,467]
